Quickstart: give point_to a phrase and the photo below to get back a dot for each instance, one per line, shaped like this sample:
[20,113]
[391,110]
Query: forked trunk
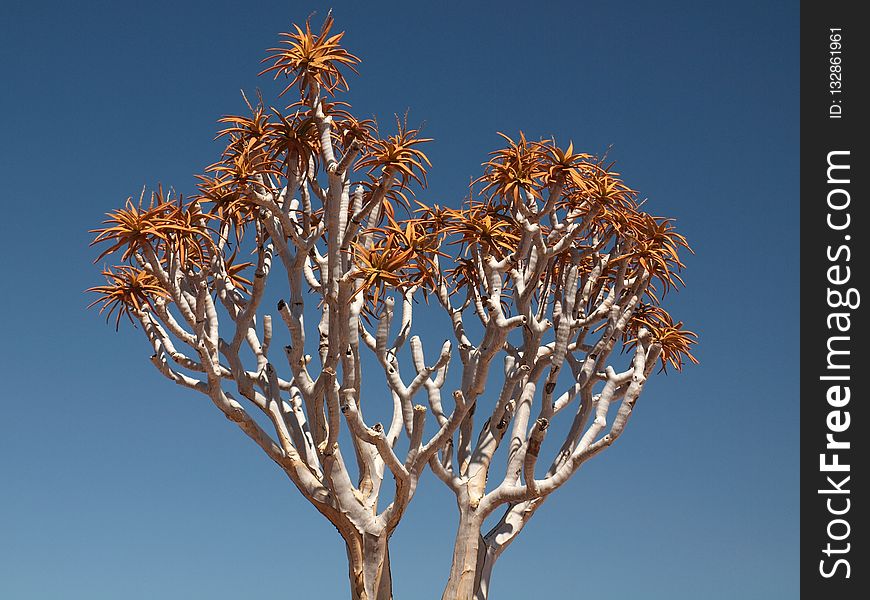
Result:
[369,568]
[486,558]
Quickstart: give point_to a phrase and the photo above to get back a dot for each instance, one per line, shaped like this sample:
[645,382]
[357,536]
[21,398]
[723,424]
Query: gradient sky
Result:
[116,484]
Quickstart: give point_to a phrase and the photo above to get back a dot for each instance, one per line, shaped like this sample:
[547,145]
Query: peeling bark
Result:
[368,558]
[464,571]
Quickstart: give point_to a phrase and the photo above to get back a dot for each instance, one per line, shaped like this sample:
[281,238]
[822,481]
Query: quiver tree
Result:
[555,266]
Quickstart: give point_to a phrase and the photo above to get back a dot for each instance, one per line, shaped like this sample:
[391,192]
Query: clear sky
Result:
[116,484]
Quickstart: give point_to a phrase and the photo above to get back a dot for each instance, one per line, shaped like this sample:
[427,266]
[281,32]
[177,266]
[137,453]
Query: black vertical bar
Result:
[834,233]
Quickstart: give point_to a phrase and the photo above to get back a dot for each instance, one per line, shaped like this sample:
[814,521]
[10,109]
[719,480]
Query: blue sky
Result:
[116,484]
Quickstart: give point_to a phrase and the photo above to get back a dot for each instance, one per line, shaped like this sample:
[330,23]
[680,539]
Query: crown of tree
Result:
[549,262]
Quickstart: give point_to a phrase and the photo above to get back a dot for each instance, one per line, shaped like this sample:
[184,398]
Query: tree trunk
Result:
[465,571]
[498,539]
[486,558]
[369,567]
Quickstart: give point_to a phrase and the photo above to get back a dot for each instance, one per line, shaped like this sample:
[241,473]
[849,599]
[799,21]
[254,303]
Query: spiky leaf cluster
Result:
[538,207]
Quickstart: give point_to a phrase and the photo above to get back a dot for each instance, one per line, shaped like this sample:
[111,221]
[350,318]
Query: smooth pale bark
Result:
[486,561]
[368,559]
[474,557]
[498,539]
[465,569]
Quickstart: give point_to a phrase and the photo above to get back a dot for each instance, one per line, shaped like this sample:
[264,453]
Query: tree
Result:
[555,265]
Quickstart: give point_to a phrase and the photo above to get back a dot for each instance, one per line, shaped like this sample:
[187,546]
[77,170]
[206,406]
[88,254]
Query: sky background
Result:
[116,484]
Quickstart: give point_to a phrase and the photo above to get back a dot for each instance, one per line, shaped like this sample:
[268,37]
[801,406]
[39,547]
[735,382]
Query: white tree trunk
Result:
[486,558]
[465,570]
[473,561]
[369,568]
